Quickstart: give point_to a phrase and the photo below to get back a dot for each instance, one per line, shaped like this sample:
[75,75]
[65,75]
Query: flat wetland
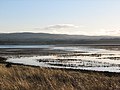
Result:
[91,57]
[59,67]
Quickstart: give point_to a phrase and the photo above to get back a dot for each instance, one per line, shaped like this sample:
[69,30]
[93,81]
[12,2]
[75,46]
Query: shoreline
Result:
[65,69]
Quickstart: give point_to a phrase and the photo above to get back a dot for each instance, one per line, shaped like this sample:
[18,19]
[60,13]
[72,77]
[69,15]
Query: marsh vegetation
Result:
[36,78]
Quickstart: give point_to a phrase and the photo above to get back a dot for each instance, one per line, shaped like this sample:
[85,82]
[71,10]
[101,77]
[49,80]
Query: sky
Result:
[78,17]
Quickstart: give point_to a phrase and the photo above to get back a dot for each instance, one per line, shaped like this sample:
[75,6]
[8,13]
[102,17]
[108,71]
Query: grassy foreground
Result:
[35,78]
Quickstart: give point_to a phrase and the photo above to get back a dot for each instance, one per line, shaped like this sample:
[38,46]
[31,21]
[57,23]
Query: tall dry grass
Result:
[32,78]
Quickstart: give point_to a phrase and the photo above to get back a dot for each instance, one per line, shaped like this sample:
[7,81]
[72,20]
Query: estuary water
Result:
[95,58]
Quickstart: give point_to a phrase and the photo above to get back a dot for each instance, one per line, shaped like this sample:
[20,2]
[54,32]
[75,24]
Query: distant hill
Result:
[44,38]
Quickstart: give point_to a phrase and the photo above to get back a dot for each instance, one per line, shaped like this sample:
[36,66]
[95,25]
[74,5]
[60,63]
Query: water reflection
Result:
[76,57]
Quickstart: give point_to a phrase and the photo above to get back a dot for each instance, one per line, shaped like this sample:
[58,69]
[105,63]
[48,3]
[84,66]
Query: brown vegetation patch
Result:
[36,78]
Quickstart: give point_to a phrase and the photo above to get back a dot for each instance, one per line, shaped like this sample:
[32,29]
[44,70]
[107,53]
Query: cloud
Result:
[78,30]
[60,26]
[115,32]
[108,32]
[61,29]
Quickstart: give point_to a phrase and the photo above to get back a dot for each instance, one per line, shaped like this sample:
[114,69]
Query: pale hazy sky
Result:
[89,17]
